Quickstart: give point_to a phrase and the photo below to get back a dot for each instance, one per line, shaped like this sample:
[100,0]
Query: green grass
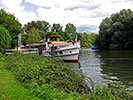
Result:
[10,89]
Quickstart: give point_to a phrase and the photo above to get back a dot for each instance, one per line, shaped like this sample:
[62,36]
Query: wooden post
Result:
[53,51]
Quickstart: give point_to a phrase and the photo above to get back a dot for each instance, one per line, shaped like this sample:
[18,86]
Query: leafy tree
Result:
[56,28]
[70,30]
[67,36]
[33,36]
[40,25]
[93,37]
[116,32]
[79,36]
[12,24]
[85,40]
[23,38]
[43,34]
[5,39]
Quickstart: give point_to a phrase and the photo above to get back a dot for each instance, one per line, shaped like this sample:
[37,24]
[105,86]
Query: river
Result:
[107,66]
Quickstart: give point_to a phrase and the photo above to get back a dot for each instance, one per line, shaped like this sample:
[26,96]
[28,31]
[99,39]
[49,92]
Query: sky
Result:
[86,15]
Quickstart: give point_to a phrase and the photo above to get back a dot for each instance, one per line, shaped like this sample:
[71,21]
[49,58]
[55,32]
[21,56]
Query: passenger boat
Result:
[67,51]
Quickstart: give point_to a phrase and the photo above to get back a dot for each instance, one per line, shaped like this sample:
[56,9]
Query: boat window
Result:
[61,52]
[55,47]
[56,53]
[58,39]
[70,51]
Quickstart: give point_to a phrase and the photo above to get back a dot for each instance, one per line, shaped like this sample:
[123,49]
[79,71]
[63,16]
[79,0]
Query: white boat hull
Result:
[70,58]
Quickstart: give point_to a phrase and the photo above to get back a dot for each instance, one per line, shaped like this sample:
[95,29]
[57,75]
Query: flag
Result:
[19,40]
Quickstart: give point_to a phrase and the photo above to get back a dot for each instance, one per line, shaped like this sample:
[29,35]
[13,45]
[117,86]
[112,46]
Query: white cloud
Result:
[14,7]
[85,13]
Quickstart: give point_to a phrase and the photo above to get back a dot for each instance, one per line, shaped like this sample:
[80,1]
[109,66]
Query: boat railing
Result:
[25,51]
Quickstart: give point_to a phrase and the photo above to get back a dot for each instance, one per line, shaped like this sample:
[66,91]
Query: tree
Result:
[12,25]
[43,34]
[70,29]
[93,37]
[33,36]
[40,25]
[5,39]
[85,40]
[116,32]
[57,28]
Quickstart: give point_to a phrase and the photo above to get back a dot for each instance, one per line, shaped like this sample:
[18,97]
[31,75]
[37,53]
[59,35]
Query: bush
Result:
[112,91]
[5,39]
[2,58]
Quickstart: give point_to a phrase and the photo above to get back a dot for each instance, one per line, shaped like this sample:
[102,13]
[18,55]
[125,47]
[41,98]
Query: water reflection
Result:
[104,66]
[90,65]
[118,65]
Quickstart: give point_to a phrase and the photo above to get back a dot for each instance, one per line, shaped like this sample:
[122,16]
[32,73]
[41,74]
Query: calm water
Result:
[105,66]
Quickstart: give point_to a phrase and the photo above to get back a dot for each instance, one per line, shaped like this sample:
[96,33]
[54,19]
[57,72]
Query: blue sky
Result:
[86,15]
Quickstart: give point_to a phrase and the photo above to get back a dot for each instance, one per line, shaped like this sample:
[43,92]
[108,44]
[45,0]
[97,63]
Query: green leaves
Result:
[5,39]
[9,21]
[40,25]
[33,36]
[87,40]
[115,31]
[46,78]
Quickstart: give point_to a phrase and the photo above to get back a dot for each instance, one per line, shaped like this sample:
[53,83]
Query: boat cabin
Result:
[54,38]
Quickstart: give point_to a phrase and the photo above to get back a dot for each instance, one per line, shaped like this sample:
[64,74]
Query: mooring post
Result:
[53,51]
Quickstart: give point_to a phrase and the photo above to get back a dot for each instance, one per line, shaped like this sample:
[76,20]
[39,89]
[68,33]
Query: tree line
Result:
[34,31]
[116,32]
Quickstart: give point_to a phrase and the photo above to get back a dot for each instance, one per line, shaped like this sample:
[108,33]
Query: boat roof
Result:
[55,36]
[32,44]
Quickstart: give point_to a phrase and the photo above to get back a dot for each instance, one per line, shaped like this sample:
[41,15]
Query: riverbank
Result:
[50,79]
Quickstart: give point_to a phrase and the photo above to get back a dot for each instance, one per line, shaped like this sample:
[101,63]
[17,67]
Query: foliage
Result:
[10,89]
[23,38]
[43,34]
[112,91]
[40,25]
[116,32]
[2,58]
[70,28]
[87,40]
[70,32]
[5,39]
[51,79]
[67,36]
[9,21]
[79,36]
[33,36]
[47,78]
[57,28]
